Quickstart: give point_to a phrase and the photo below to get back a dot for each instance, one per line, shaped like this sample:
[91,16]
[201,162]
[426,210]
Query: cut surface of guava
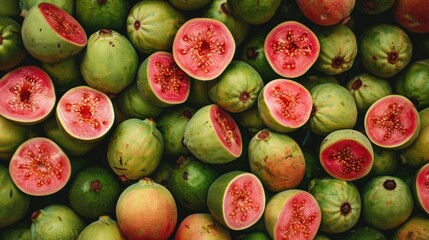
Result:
[227,130]
[85,113]
[422,187]
[39,167]
[291,49]
[27,95]
[203,48]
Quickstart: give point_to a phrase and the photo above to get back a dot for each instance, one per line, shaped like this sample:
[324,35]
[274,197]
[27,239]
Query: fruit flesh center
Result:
[226,130]
[288,102]
[169,77]
[390,121]
[23,95]
[299,220]
[292,46]
[39,167]
[348,161]
[242,201]
[84,110]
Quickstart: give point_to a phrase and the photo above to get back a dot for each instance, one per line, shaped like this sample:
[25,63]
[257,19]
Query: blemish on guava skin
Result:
[59,218]
[185,175]
[10,193]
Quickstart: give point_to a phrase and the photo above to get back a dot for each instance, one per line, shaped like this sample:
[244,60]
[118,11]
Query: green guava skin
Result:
[364,233]
[12,50]
[12,136]
[415,228]
[44,43]
[103,228]
[13,202]
[255,12]
[387,202]
[10,8]
[189,5]
[17,231]
[417,154]
[109,63]
[374,7]
[66,5]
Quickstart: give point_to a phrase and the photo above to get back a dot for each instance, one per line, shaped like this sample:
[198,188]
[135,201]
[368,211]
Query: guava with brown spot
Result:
[236,199]
[327,13]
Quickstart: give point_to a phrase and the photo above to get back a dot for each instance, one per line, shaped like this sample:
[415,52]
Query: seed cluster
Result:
[291,47]
[40,166]
[427,179]
[85,110]
[23,92]
[390,120]
[202,47]
[227,129]
[288,102]
[169,77]
[242,201]
[348,161]
[65,27]
[299,222]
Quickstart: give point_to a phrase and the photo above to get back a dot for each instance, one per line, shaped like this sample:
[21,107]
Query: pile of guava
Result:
[221,119]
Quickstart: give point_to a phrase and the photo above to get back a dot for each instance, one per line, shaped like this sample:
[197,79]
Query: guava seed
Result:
[242,201]
[390,121]
[85,110]
[288,101]
[23,94]
[299,222]
[348,161]
[66,28]
[169,77]
[227,128]
[292,46]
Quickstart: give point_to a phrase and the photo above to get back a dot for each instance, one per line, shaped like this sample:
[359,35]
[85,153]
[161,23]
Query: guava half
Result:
[421,187]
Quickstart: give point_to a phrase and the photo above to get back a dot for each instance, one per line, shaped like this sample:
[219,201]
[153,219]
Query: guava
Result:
[14,203]
[39,167]
[284,105]
[17,231]
[109,63]
[291,48]
[26,5]
[212,135]
[50,34]
[102,14]
[339,201]
[327,13]
[135,148]
[334,108]
[384,49]
[386,161]
[392,122]
[367,88]
[12,135]
[237,88]
[85,113]
[161,82]
[276,159]
[421,187]
[292,214]
[313,79]
[28,95]
[411,15]
[410,83]
[220,10]
[387,202]
[199,93]
[255,12]
[10,8]
[12,51]
[417,154]
[172,123]
[374,7]
[132,105]
[338,49]
[94,191]
[236,199]
[151,25]
[250,119]
[346,154]
[415,228]
[203,48]
[201,226]
[103,228]
[56,221]
[190,180]
[146,210]
[189,5]
[364,233]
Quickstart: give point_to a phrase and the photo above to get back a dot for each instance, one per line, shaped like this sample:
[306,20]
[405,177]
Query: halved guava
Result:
[421,187]
[50,34]
[236,199]
[346,154]
[392,122]
[292,214]
[213,136]
[85,113]
[284,105]
[203,48]
[27,95]
[161,82]
[291,49]
[39,167]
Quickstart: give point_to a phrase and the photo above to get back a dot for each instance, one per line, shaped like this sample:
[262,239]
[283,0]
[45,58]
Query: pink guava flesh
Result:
[27,95]
[85,113]
[227,130]
[291,49]
[422,187]
[63,23]
[299,218]
[168,81]
[392,121]
[346,160]
[289,102]
[39,167]
[244,202]
[203,48]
